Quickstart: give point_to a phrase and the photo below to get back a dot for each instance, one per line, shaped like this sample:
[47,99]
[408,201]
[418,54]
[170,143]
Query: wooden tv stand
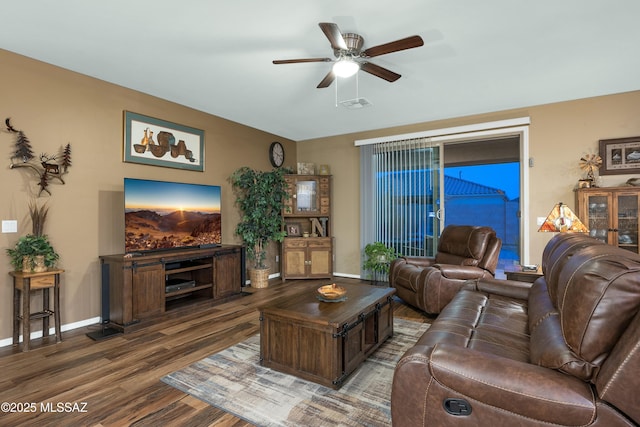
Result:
[149,285]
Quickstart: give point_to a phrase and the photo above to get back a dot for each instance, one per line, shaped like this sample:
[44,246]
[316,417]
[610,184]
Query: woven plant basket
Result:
[259,277]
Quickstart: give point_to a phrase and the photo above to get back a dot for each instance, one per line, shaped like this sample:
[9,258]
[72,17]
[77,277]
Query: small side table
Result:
[520,275]
[23,285]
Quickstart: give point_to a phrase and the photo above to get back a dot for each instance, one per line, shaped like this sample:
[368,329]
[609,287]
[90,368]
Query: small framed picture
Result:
[620,156]
[584,183]
[294,229]
[306,168]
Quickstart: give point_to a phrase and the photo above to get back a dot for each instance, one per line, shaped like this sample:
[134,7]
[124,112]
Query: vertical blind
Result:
[399,194]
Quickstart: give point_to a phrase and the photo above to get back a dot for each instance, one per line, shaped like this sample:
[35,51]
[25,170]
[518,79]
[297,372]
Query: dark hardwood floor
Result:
[116,381]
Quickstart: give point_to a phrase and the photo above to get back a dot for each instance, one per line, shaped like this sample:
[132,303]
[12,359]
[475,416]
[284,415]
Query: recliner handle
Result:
[458,407]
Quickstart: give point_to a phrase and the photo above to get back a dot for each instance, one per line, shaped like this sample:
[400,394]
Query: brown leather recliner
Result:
[563,351]
[465,252]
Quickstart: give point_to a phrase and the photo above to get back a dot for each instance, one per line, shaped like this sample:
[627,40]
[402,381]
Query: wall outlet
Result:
[277,258]
[10,226]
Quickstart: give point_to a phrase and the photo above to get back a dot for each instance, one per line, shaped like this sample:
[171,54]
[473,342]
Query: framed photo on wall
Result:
[156,142]
[620,156]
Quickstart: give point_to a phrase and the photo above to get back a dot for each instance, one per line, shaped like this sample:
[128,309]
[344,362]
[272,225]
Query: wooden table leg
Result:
[56,307]
[16,314]
[26,314]
[45,308]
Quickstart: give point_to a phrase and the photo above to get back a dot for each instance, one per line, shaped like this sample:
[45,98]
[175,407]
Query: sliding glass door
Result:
[401,196]
[406,181]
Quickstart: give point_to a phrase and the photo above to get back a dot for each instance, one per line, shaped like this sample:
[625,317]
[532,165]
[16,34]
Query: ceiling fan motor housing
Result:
[347,48]
[354,44]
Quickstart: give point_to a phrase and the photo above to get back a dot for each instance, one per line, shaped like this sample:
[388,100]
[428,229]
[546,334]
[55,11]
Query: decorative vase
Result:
[26,264]
[259,277]
[39,265]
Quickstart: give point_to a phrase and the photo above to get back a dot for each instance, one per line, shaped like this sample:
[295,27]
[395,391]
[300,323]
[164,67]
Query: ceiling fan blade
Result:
[379,71]
[402,44]
[332,32]
[295,61]
[328,79]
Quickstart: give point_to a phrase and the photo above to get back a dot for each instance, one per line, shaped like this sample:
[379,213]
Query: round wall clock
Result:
[276,154]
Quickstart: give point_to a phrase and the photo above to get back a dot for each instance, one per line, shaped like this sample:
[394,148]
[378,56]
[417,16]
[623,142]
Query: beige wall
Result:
[559,135]
[55,107]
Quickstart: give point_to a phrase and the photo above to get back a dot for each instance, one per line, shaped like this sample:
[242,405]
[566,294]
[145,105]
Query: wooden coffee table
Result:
[324,342]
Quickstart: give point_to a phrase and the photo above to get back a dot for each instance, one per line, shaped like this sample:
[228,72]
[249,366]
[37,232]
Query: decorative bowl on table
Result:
[331,293]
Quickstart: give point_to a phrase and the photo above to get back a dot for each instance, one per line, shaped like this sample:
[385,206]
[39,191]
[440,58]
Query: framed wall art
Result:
[156,142]
[620,156]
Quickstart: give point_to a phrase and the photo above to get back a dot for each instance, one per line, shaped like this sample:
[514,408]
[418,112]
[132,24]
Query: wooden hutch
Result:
[307,250]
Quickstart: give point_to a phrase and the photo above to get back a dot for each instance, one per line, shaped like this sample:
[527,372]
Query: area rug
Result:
[234,381]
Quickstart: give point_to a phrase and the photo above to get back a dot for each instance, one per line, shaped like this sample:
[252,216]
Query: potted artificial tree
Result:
[378,258]
[259,197]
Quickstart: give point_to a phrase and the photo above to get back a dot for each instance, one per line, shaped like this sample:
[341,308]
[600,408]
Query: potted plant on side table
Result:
[33,253]
[259,197]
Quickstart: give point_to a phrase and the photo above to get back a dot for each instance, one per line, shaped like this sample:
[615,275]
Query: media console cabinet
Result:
[144,286]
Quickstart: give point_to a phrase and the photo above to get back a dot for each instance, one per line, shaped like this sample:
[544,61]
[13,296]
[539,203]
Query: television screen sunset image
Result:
[167,215]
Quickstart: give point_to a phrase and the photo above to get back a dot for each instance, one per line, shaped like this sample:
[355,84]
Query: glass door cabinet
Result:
[610,214]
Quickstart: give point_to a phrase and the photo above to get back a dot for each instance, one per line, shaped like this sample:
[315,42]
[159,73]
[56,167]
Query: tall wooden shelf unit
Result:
[611,214]
[308,210]
[149,285]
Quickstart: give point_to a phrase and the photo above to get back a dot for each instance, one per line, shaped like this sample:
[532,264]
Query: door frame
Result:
[510,127]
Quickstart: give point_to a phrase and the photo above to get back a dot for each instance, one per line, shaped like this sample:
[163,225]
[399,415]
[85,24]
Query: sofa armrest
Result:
[418,261]
[425,376]
[460,272]
[506,288]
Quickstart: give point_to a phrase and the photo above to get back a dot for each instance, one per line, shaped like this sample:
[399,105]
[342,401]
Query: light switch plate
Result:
[9,226]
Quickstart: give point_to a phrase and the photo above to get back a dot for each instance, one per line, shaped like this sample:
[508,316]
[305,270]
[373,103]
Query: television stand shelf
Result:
[149,285]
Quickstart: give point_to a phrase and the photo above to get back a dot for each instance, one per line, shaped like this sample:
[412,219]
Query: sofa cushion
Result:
[575,326]
[463,245]
[557,253]
[549,349]
[547,345]
[485,323]
[597,297]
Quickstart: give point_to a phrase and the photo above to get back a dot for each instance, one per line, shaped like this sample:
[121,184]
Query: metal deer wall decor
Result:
[49,168]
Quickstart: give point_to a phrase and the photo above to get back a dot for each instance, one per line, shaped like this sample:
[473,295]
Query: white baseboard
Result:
[350,276]
[38,334]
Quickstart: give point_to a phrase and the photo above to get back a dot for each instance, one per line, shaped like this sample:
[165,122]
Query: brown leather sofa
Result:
[464,252]
[564,351]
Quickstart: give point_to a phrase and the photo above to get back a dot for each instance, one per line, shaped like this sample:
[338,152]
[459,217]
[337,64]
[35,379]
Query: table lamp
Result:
[562,219]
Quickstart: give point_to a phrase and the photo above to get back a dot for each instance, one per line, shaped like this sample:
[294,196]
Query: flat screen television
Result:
[163,215]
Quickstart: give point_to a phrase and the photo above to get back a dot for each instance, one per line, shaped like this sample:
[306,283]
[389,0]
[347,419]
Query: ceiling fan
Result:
[350,57]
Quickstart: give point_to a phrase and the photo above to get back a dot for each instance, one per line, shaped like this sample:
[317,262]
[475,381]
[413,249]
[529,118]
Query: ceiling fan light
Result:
[345,68]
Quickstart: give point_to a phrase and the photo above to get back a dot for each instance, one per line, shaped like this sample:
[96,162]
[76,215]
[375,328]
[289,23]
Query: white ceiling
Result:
[215,56]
